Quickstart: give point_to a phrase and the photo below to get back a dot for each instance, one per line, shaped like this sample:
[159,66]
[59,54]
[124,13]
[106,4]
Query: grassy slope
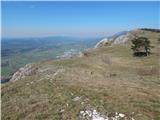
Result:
[107,79]
[19,60]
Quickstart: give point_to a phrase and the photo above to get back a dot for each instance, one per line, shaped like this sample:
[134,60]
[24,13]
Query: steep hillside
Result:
[106,83]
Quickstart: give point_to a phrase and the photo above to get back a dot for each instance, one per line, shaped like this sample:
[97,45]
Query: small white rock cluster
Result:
[94,115]
[76,98]
[27,70]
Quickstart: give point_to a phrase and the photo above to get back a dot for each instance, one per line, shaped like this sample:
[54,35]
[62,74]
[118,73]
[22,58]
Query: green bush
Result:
[141,46]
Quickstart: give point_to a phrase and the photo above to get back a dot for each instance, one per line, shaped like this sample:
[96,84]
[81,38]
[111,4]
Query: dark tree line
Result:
[152,30]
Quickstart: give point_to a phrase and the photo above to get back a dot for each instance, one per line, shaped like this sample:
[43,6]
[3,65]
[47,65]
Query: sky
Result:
[53,18]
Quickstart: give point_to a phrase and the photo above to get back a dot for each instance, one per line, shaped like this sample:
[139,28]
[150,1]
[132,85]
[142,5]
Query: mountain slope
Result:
[107,82]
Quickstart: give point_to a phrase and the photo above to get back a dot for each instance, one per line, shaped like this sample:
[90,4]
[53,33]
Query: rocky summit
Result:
[105,83]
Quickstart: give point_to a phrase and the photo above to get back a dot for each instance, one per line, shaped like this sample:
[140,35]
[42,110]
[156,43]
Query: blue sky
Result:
[28,19]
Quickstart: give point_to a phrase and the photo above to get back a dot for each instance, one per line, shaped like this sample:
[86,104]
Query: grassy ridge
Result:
[106,79]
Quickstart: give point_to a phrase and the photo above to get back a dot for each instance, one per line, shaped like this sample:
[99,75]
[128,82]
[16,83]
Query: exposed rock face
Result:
[103,42]
[28,70]
[117,39]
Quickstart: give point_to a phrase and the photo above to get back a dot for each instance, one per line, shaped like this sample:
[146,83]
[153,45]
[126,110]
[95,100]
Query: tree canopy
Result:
[141,46]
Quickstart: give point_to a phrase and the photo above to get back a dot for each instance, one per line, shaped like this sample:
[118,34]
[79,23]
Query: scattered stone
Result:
[89,113]
[31,82]
[121,115]
[76,98]
[81,112]
[67,104]
[27,84]
[94,115]
[82,103]
[62,110]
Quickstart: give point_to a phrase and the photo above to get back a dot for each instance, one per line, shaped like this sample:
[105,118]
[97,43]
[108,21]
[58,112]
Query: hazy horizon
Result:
[53,18]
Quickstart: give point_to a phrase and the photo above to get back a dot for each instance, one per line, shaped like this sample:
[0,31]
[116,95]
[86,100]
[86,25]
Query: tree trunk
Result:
[146,49]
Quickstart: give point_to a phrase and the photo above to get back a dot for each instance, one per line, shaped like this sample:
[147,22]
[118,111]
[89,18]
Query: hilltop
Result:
[105,83]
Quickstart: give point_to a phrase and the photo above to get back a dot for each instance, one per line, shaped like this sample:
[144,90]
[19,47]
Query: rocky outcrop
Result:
[104,42]
[28,70]
[115,39]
